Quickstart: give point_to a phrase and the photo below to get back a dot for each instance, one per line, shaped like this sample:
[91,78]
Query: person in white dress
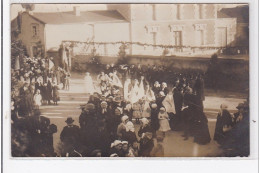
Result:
[116,81]
[149,97]
[134,92]
[141,93]
[168,103]
[163,120]
[126,90]
[38,98]
[89,84]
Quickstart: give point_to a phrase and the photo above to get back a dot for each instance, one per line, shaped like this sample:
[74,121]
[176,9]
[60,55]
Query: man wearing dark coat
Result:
[70,134]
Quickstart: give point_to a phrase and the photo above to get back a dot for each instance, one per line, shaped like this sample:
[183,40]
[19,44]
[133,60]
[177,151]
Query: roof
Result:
[85,17]
[240,12]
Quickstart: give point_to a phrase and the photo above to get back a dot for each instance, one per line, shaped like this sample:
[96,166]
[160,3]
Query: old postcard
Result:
[130,80]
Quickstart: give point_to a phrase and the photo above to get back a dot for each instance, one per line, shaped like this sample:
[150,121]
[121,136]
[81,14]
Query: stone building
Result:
[189,29]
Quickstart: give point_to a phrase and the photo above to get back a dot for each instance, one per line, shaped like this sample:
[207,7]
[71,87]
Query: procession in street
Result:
[114,98]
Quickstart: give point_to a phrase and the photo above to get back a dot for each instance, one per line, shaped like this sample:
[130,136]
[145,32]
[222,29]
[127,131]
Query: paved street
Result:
[174,144]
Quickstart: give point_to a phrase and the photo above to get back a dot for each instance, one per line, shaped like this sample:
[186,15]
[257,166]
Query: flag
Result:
[64,57]
[51,64]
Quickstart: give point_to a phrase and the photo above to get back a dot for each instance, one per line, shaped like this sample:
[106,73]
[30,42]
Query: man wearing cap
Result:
[70,134]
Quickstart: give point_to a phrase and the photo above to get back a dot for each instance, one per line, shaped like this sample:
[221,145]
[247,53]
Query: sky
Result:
[15,8]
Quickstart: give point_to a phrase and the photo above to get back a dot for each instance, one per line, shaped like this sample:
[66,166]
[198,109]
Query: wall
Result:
[99,32]
[26,32]
[111,32]
[55,34]
[165,36]
[230,24]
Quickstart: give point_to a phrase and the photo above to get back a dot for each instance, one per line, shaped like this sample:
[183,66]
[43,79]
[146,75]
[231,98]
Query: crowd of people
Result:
[129,112]
[34,82]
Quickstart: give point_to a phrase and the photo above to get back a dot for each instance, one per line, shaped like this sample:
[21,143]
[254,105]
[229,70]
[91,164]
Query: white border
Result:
[150,164]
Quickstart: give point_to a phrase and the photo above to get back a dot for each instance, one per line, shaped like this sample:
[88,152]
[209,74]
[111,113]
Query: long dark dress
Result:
[55,94]
[26,103]
[49,92]
[222,120]
[201,130]
[154,120]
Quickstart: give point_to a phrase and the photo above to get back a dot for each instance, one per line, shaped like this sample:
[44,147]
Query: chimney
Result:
[76,10]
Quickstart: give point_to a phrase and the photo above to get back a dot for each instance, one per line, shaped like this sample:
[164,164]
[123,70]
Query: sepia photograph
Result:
[129,80]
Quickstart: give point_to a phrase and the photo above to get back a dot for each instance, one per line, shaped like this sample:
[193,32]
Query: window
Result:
[35,30]
[177,38]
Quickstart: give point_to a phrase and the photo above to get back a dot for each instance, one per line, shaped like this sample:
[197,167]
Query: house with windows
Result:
[147,28]
[181,25]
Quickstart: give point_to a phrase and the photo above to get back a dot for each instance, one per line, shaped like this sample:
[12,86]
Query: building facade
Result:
[182,29]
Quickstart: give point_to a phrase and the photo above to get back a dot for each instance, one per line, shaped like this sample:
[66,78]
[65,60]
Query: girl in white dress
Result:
[38,98]
[163,120]
[134,93]
[89,84]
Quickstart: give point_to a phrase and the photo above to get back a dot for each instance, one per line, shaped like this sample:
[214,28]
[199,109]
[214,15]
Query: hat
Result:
[162,109]
[69,120]
[103,103]
[124,142]
[117,142]
[145,121]
[124,118]
[117,99]
[240,105]
[130,126]
[114,155]
[90,106]
[153,105]
[164,83]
